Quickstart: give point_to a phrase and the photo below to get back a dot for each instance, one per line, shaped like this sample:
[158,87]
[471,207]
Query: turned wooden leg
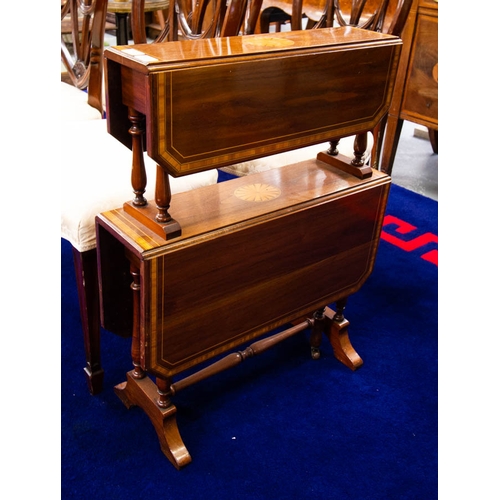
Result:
[360,145]
[161,223]
[317,333]
[163,197]
[138,372]
[378,139]
[139,390]
[355,166]
[139,179]
[391,141]
[433,137]
[339,338]
[333,150]
[88,295]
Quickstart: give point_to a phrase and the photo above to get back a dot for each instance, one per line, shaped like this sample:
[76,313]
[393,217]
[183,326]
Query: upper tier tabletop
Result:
[156,56]
[210,103]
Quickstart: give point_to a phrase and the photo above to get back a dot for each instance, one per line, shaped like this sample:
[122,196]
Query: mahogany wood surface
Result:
[324,225]
[143,393]
[85,264]
[304,235]
[225,69]
[252,254]
[416,93]
[262,94]
[383,16]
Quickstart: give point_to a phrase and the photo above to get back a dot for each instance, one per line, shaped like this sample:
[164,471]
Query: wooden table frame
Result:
[204,263]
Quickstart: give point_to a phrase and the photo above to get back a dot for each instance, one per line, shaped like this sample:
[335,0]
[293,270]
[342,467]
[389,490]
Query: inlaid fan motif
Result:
[257,192]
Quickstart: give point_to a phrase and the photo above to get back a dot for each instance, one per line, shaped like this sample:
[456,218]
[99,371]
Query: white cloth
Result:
[96,177]
[75,106]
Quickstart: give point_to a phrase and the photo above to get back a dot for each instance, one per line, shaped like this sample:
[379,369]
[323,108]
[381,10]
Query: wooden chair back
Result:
[83,24]
[384,16]
[191,20]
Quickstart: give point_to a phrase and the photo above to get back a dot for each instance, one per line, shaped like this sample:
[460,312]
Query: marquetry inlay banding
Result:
[257,192]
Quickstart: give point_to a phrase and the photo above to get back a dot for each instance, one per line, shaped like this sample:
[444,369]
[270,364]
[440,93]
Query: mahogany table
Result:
[201,273]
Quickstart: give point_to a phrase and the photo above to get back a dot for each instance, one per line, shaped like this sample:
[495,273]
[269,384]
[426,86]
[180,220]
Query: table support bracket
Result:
[143,392]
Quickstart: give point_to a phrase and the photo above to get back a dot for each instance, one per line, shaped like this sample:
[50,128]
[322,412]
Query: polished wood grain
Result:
[247,256]
[357,100]
[383,16]
[219,206]
[340,215]
[416,94]
[305,91]
[144,393]
[208,291]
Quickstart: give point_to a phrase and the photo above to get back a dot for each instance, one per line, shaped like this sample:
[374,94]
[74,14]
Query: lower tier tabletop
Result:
[255,252]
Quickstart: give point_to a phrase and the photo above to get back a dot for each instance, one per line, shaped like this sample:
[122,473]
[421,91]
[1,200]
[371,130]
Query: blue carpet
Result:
[281,425]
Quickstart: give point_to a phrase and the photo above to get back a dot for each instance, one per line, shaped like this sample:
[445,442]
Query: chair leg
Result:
[88,296]
[378,140]
[433,137]
[391,140]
